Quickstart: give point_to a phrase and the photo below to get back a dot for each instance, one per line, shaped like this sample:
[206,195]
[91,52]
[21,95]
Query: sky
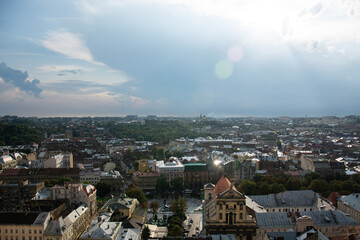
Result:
[180,57]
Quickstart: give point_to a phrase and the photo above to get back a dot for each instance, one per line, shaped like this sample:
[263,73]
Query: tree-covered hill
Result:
[156,131]
[19,134]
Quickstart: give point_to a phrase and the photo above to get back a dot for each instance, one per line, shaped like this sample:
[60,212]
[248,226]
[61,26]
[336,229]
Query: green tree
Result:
[145,235]
[161,153]
[161,184]
[319,186]
[177,184]
[293,184]
[103,189]
[178,154]
[277,188]
[175,220]
[258,177]
[247,187]
[179,208]
[237,165]
[263,188]
[137,193]
[154,206]
[175,230]
[135,166]
[309,177]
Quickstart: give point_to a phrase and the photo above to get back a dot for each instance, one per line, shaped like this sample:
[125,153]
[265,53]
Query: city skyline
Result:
[180,58]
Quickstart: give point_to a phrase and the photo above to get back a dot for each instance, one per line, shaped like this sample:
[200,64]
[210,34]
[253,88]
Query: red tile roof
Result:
[221,186]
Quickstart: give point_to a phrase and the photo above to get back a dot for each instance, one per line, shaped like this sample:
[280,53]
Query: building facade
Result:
[76,194]
[350,204]
[172,169]
[226,212]
[145,181]
[196,175]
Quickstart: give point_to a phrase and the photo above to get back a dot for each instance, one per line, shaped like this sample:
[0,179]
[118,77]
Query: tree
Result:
[175,230]
[309,177]
[137,193]
[135,166]
[258,177]
[177,184]
[161,153]
[161,184]
[102,189]
[319,186]
[154,206]
[276,188]
[145,235]
[175,220]
[263,188]
[293,184]
[179,208]
[247,187]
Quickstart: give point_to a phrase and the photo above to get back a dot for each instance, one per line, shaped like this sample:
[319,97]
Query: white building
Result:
[172,169]
[59,161]
[7,162]
[92,177]
[76,194]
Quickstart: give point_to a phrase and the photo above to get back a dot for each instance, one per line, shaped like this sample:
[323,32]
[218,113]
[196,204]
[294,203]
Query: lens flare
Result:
[235,53]
[223,69]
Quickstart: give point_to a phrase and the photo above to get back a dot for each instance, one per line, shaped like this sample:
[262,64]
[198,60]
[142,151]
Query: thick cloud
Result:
[19,79]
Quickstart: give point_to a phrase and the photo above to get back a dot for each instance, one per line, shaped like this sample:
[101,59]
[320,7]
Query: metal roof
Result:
[301,198]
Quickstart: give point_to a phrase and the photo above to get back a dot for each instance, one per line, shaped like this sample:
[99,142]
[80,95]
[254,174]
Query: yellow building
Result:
[226,211]
[143,165]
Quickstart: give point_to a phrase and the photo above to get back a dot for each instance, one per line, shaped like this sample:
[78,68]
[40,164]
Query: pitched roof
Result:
[222,185]
[330,218]
[300,198]
[273,219]
[351,200]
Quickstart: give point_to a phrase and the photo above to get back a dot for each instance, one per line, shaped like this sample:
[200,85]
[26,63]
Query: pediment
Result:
[231,193]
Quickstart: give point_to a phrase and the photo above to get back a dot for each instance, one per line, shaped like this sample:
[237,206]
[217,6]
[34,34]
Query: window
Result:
[220,216]
[220,206]
[234,206]
[241,206]
[35,231]
[23,231]
[227,206]
[241,216]
[30,232]
[40,231]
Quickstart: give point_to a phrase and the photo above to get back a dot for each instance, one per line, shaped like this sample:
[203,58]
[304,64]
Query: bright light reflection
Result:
[223,69]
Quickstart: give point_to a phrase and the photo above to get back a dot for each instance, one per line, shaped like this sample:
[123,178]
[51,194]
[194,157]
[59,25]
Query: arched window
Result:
[241,216]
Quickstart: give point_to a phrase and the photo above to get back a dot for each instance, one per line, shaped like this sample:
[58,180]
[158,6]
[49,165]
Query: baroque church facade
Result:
[226,211]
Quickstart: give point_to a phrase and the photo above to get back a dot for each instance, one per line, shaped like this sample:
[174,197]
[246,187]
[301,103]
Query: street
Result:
[193,212]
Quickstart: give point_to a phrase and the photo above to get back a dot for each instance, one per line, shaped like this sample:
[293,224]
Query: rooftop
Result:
[300,198]
[352,200]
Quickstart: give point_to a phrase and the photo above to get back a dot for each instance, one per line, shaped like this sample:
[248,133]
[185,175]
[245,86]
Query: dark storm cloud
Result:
[19,80]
